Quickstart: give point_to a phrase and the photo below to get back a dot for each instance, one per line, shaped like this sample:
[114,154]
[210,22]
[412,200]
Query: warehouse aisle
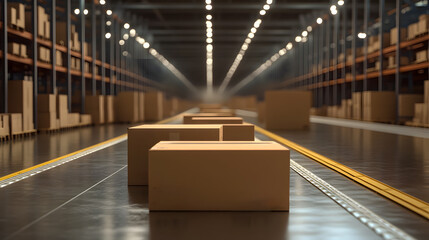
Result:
[88,198]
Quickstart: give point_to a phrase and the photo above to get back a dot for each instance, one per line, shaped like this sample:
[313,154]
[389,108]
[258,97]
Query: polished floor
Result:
[88,198]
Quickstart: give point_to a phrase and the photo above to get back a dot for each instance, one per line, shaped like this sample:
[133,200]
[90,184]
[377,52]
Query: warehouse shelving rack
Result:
[127,75]
[338,79]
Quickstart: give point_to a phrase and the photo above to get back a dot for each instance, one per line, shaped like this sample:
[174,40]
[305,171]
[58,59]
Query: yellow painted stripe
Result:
[79,151]
[412,203]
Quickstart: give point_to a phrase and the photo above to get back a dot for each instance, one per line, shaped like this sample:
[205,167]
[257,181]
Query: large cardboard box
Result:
[261,112]
[418,113]
[109,109]
[357,105]
[20,100]
[4,125]
[94,105]
[406,104]
[46,103]
[220,176]
[141,107]
[379,106]
[393,35]
[423,24]
[174,106]
[126,107]
[142,138]
[62,110]
[73,119]
[85,119]
[287,109]
[426,91]
[218,110]
[47,120]
[15,123]
[153,106]
[166,109]
[216,120]
[187,119]
[238,132]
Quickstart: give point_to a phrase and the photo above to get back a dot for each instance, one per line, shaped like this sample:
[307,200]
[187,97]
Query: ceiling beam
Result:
[200,6]
[219,32]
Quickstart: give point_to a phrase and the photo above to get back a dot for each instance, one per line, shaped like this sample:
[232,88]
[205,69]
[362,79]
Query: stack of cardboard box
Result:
[153,106]
[74,41]
[16,15]
[109,109]
[379,106]
[62,110]
[4,126]
[94,106]
[374,42]
[421,56]
[167,108]
[394,33]
[44,54]
[392,61]
[357,105]
[406,104]
[20,100]
[126,107]
[141,106]
[58,58]
[421,110]
[412,31]
[17,49]
[423,25]
[75,64]
[43,24]
[47,112]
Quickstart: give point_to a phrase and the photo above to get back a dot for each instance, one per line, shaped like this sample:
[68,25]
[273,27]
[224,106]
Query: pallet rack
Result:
[319,69]
[116,71]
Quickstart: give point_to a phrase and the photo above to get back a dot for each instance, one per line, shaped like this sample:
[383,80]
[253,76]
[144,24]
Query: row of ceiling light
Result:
[302,38]
[209,47]
[245,46]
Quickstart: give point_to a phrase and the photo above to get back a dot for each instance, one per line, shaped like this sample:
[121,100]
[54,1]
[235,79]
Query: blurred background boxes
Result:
[216,120]
[95,106]
[238,132]
[126,108]
[379,106]
[153,106]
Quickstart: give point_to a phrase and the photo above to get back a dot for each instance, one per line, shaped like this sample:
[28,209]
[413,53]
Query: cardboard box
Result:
[287,109]
[14,48]
[20,100]
[412,31]
[46,103]
[94,105]
[187,119]
[109,109]
[62,110]
[379,106]
[85,119]
[425,114]
[209,106]
[4,125]
[406,104]
[392,61]
[141,107]
[174,106]
[16,15]
[58,58]
[218,110]
[418,113]
[166,108]
[423,24]
[393,35]
[238,132]
[357,105]
[216,120]
[126,107]
[73,119]
[421,56]
[40,21]
[261,112]
[143,137]
[47,120]
[15,123]
[153,106]
[220,176]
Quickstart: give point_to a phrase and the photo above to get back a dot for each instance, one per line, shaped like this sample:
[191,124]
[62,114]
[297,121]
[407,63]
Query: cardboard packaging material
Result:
[47,120]
[141,107]
[379,106]
[392,61]
[209,106]
[174,106]
[412,31]
[261,112]
[20,100]
[418,113]
[217,120]
[153,106]
[94,105]
[14,48]
[73,119]
[287,109]
[85,119]
[167,108]
[393,35]
[16,15]
[357,105]
[238,132]
[218,110]
[421,56]
[62,110]
[187,119]
[220,176]
[4,125]
[109,109]
[46,103]
[126,107]
[15,123]
[406,104]
[423,24]
[426,91]
[142,138]
[425,114]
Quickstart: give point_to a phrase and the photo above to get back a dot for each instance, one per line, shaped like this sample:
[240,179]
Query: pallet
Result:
[413,124]
[22,134]
[4,138]
[48,130]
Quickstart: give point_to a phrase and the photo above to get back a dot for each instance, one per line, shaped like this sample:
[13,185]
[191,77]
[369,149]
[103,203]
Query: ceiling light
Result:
[304,39]
[262,12]
[289,46]
[102,2]
[304,33]
[209,24]
[248,40]
[209,34]
[132,32]
[340,2]
[146,45]
[244,47]
[108,35]
[309,28]
[109,12]
[266,7]
[126,25]
[209,61]
[209,17]
[108,23]
[209,40]
[209,7]
[298,39]
[208,1]
[253,30]
[85,11]
[125,53]
[77,11]
[121,42]
[319,20]
[209,47]
[269,1]
[362,35]
[209,30]
[126,36]
[251,35]
[257,23]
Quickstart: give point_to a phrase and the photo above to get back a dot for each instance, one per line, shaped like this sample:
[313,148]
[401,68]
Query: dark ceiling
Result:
[177,30]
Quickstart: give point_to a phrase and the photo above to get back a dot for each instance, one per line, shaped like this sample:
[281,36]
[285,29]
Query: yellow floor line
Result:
[79,151]
[412,203]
